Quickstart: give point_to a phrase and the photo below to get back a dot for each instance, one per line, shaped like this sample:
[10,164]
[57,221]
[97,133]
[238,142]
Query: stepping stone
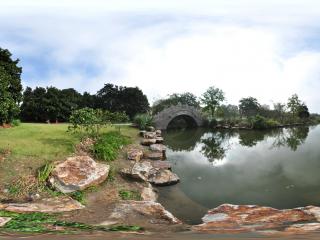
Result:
[148,142]
[161,164]
[135,154]
[154,155]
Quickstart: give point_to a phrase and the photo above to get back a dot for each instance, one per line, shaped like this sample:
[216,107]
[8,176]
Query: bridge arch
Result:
[163,118]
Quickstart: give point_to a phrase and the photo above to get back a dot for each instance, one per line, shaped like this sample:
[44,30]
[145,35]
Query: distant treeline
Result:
[43,104]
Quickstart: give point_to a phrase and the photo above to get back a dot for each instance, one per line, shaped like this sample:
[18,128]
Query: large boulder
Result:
[145,171]
[153,212]
[135,154]
[229,218]
[164,177]
[45,205]
[78,173]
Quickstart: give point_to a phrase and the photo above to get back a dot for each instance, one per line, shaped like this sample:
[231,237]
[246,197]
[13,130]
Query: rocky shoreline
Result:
[144,167]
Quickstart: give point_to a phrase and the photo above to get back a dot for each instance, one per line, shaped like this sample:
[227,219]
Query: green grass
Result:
[130,195]
[31,146]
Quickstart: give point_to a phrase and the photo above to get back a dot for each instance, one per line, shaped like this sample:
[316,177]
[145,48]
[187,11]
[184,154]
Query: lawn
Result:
[30,146]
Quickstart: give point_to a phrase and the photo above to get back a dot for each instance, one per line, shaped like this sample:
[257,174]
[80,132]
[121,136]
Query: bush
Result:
[143,121]
[16,122]
[259,122]
[108,145]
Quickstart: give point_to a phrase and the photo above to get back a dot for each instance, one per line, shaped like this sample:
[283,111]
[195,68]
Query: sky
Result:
[264,49]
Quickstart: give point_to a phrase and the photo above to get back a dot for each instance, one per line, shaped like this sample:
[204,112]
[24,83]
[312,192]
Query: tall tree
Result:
[10,86]
[293,105]
[249,106]
[211,100]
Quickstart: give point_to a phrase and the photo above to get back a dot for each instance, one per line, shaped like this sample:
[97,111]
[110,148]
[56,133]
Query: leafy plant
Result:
[79,196]
[130,195]
[143,121]
[16,122]
[108,145]
[44,172]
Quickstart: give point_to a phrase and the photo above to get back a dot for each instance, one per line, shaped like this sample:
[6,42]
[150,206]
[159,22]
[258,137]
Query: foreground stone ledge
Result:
[78,173]
[45,205]
[229,218]
[154,212]
[4,220]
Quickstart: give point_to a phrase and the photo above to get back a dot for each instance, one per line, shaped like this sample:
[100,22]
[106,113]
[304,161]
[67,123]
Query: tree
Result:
[303,112]
[186,98]
[249,106]
[293,104]
[280,110]
[10,86]
[211,100]
[228,111]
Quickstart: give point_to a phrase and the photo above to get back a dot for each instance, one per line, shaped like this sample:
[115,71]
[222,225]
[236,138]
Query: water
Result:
[278,168]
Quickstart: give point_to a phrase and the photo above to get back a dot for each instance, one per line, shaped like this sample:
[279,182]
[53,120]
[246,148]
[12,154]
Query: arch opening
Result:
[182,122]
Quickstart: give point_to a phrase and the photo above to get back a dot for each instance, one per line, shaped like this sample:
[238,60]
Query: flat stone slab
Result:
[135,154]
[159,140]
[154,212]
[229,218]
[164,177]
[4,220]
[158,147]
[78,173]
[46,205]
[148,142]
[154,155]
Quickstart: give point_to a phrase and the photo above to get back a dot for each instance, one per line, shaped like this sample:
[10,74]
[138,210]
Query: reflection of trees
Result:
[250,138]
[215,145]
[292,137]
[179,140]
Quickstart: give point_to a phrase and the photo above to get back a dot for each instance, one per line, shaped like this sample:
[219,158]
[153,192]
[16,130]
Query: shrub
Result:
[108,145]
[16,122]
[143,121]
[259,122]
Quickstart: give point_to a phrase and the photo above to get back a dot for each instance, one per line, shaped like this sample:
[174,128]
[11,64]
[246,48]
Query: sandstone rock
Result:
[158,133]
[149,135]
[139,171]
[78,173]
[148,142]
[243,218]
[164,177]
[150,129]
[46,205]
[158,147]
[149,194]
[154,212]
[4,220]
[135,154]
[159,140]
[154,155]
[160,164]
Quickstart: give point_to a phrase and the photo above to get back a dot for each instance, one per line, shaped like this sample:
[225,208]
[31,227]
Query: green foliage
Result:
[130,195]
[10,87]
[211,100]
[175,99]
[249,107]
[44,173]
[260,122]
[16,122]
[79,196]
[108,145]
[143,121]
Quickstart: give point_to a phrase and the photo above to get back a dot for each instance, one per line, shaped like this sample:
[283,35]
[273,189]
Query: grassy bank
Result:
[26,148]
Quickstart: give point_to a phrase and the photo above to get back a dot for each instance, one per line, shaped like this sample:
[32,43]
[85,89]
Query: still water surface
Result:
[278,168]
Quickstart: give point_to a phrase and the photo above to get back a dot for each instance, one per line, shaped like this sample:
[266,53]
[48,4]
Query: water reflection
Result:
[278,168]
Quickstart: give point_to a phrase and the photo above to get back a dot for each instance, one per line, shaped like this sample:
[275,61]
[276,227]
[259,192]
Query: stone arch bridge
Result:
[192,115]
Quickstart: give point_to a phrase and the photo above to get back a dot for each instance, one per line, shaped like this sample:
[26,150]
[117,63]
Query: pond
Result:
[278,168]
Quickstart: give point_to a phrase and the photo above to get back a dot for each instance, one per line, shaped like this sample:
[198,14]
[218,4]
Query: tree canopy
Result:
[211,100]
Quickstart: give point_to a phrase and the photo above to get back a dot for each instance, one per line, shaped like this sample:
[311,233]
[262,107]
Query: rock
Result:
[158,147]
[142,132]
[302,228]
[159,140]
[135,154]
[144,171]
[150,129]
[164,177]
[45,205]
[149,194]
[139,171]
[154,155]
[4,220]
[154,212]
[229,218]
[150,135]
[160,164]
[78,173]
[158,133]
[148,142]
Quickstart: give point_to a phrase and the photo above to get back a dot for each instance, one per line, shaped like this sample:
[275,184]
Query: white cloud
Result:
[256,48]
